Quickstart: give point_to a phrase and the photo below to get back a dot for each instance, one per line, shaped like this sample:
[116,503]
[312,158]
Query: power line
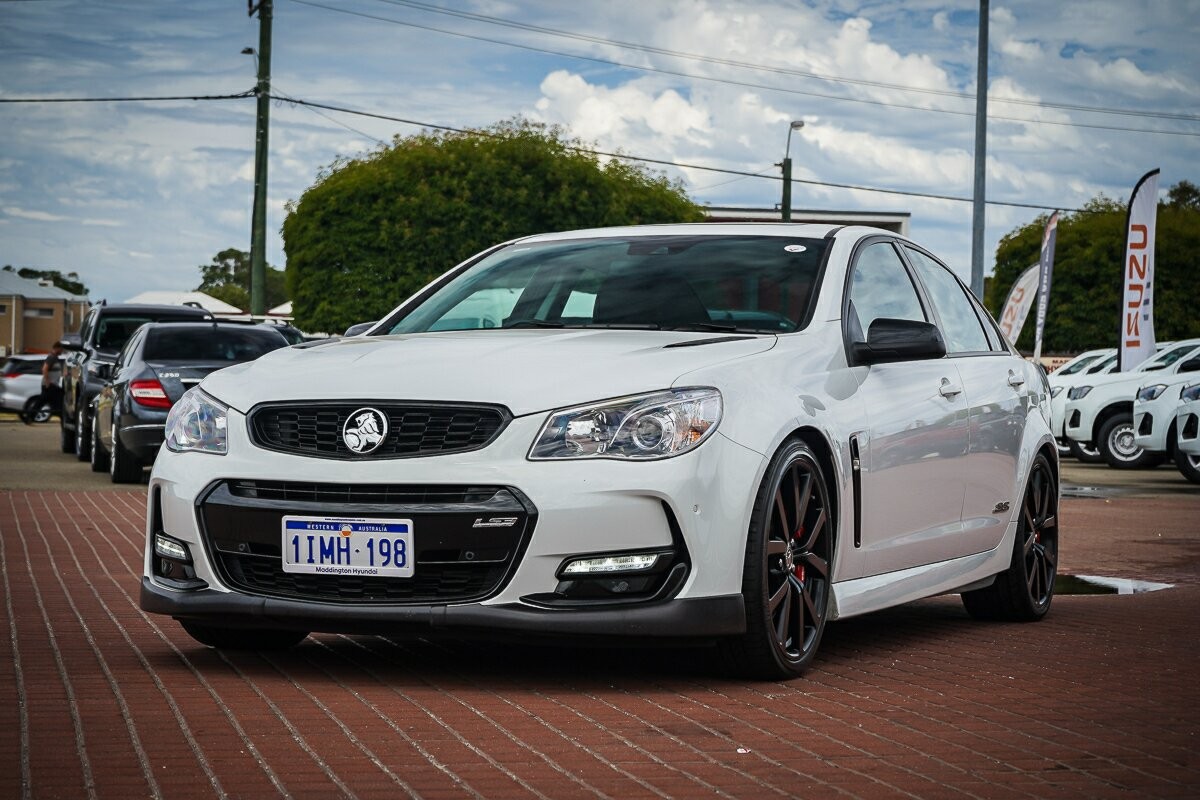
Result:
[732,82]
[677,164]
[147,99]
[777,69]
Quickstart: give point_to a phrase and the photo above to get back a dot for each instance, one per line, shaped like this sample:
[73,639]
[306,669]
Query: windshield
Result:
[760,284]
[1166,358]
[1078,364]
[206,343]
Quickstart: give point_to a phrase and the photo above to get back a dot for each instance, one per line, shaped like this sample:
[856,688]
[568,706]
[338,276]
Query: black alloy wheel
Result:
[1023,592]
[787,570]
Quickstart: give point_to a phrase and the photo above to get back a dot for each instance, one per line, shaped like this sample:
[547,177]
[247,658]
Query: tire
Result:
[243,638]
[83,436]
[1188,465]
[1115,441]
[66,438]
[1023,592]
[1084,452]
[787,569]
[123,466]
[99,456]
[37,409]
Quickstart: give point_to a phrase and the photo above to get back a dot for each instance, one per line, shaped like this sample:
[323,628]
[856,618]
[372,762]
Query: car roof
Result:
[154,308]
[714,229]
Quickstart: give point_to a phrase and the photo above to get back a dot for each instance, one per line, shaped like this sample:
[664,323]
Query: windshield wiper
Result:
[631,326]
[706,326]
[533,323]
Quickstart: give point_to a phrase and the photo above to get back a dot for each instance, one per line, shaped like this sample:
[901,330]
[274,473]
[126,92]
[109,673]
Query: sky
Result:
[1084,98]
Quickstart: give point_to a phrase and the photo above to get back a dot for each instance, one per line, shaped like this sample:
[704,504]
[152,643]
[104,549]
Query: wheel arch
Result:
[1109,411]
[823,450]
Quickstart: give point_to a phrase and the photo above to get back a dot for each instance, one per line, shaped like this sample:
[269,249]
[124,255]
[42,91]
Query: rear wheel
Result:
[1022,593]
[37,409]
[243,638]
[99,457]
[123,466]
[787,569]
[1188,465]
[83,436]
[1084,452]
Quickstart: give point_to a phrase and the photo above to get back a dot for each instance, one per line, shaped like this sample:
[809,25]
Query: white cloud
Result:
[36,216]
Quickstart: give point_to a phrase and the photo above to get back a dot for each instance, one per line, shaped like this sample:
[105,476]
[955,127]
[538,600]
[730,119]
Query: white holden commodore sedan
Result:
[726,433]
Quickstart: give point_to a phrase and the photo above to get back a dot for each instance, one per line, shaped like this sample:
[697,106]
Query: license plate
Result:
[348,546]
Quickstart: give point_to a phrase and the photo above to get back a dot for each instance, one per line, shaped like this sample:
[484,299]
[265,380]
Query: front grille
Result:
[454,561]
[414,429]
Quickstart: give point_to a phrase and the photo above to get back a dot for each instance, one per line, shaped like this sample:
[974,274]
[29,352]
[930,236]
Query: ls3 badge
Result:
[495,522]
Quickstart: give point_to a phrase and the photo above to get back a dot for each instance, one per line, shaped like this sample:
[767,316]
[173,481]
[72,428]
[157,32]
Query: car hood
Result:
[524,370]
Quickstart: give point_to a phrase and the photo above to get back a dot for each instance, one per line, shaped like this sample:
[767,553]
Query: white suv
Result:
[1187,431]
[1155,403]
[1100,411]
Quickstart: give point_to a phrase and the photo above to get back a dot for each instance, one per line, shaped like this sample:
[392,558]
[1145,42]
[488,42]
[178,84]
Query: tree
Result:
[373,230]
[1084,308]
[227,278]
[70,281]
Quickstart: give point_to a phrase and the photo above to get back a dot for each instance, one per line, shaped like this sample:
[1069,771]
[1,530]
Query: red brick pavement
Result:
[100,700]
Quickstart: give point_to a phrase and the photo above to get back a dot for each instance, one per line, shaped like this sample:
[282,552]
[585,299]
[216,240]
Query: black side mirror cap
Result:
[890,340]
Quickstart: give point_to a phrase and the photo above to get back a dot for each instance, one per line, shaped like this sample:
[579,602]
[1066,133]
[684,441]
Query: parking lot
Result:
[101,700]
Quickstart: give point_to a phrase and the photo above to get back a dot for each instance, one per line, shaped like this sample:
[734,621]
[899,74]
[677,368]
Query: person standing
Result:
[51,388]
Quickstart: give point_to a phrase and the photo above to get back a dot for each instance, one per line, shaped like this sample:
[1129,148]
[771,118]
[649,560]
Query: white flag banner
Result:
[1137,300]
[1045,276]
[1020,300]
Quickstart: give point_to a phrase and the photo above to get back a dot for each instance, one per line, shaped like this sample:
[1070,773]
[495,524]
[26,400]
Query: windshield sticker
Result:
[795,248]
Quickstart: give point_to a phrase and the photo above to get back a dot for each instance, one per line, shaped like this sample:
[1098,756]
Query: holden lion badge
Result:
[364,430]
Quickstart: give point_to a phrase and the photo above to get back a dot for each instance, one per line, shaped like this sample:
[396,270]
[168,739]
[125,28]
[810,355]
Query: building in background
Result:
[34,314]
[218,308]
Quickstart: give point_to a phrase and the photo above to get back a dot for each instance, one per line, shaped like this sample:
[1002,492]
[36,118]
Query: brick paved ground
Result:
[100,700]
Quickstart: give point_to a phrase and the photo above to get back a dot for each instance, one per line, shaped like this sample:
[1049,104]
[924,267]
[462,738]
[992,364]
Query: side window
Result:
[880,287]
[963,331]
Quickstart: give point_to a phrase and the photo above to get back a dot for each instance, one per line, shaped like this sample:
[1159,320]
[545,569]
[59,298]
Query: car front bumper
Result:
[695,506]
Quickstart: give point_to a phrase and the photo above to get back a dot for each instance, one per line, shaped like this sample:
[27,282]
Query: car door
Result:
[998,400]
[914,444]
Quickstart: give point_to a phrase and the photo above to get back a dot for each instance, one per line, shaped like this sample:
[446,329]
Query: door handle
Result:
[948,389]
[1015,380]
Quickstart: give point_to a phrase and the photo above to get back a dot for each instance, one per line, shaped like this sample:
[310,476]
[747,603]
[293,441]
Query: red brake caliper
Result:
[798,569]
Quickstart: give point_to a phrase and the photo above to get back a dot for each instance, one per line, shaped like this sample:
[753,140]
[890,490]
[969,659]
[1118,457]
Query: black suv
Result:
[104,332]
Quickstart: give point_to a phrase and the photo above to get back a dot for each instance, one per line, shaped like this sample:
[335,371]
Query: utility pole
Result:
[258,223]
[980,199]
[786,164]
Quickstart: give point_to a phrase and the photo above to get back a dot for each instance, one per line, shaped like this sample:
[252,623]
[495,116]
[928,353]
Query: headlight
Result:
[642,427]
[1189,393]
[1078,392]
[197,422]
[1148,393]
[1055,391]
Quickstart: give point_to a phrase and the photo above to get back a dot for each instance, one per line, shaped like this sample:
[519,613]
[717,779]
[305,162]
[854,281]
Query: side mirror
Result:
[359,328]
[890,340]
[104,371]
[71,341]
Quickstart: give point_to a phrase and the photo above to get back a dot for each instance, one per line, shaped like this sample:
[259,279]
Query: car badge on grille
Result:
[365,430]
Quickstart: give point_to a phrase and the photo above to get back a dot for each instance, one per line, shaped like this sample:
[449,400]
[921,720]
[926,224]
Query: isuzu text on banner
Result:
[1137,300]
[1046,272]
[1020,300]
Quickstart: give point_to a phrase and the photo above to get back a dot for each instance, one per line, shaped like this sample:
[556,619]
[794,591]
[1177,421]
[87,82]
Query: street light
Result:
[795,125]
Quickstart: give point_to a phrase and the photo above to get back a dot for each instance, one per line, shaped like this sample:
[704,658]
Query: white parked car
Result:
[1100,411]
[1155,402]
[729,433]
[1187,431]
[1075,371]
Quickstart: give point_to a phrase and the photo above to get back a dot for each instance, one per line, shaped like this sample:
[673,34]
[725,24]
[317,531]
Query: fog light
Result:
[167,547]
[628,563]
